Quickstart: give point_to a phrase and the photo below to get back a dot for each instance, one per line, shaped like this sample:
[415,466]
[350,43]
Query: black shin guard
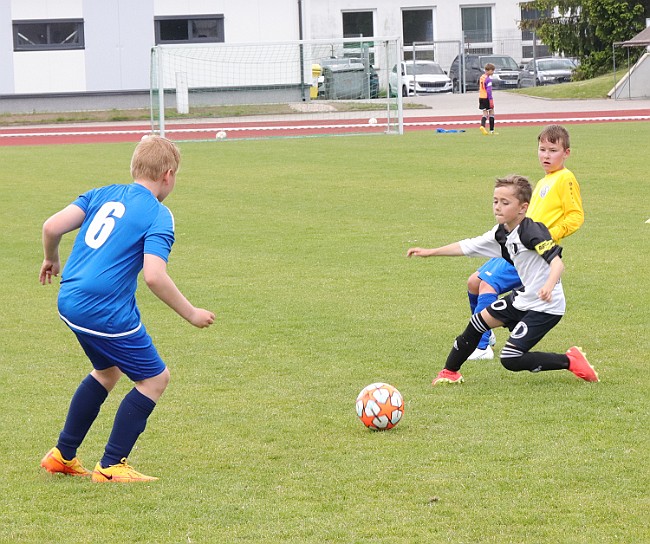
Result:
[466,343]
[536,361]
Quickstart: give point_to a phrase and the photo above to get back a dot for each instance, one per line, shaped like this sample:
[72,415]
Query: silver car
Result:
[418,77]
[549,71]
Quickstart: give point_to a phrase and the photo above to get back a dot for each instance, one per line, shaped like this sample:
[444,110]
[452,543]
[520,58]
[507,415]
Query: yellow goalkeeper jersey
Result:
[557,203]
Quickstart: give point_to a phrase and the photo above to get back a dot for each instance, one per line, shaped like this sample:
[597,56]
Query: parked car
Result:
[418,77]
[504,77]
[550,70]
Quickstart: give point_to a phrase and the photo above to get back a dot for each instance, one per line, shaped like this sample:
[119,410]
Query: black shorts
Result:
[484,104]
[526,328]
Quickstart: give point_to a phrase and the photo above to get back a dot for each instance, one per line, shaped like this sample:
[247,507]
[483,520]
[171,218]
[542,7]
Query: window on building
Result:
[532,46]
[194,29]
[417,26]
[477,24]
[44,35]
[530,14]
[357,24]
[540,50]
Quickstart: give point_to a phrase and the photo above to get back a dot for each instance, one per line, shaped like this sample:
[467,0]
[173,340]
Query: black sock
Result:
[84,408]
[130,421]
[466,343]
[534,361]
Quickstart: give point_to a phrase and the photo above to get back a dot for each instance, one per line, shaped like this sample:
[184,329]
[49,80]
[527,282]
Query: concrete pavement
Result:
[514,103]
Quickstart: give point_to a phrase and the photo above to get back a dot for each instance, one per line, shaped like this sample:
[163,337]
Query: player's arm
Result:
[557,267]
[158,280]
[451,250]
[68,219]
[574,215]
[488,88]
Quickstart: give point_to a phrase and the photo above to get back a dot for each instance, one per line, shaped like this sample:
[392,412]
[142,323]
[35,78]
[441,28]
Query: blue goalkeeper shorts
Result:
[499,274]
[135,355]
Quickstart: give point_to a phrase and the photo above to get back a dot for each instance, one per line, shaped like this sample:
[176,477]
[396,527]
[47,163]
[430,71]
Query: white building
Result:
[86,47]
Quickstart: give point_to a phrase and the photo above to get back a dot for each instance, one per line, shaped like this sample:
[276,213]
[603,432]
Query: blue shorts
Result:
[500,274]
[135,355]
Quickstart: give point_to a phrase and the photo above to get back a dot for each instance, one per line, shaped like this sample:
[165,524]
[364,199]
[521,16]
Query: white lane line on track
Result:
[331,126]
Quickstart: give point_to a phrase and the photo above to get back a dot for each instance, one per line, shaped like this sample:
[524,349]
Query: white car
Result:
[418,77]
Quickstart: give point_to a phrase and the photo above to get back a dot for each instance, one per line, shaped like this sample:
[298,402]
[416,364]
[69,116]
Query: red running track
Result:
[206,130]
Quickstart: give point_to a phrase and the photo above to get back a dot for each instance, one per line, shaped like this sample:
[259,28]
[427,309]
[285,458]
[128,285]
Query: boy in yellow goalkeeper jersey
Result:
[556,202]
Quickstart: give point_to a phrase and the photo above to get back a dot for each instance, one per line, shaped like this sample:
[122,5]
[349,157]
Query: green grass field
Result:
[299,247]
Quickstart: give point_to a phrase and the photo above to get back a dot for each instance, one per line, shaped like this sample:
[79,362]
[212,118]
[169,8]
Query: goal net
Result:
[259,90]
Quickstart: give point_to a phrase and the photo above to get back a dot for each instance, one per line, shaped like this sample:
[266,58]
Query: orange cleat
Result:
[579,365]
[447,376]
[54,463]
[122,472]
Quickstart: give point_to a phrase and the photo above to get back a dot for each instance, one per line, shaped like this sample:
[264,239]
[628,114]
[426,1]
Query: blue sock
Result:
[473,301]
[84,408]
[484,300]
[130,421]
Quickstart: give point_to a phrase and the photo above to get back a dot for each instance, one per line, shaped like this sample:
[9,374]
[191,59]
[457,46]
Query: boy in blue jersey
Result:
[123,229]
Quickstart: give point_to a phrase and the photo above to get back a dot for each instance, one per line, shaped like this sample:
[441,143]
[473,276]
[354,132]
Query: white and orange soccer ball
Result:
[380,406]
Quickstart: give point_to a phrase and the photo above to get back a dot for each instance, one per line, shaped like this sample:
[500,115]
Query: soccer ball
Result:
[372,121]
[380,406]
[221,135]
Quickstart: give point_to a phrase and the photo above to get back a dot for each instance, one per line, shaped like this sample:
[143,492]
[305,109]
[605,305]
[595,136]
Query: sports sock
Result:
[473,301]
[483,121]
[483,301]
[130,421]
[466,343]
[84,408]
[533,361]
[491,123]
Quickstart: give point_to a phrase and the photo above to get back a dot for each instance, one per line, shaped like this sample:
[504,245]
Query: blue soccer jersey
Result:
[98,284]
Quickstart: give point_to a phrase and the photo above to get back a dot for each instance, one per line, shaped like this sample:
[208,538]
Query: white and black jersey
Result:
[530,248]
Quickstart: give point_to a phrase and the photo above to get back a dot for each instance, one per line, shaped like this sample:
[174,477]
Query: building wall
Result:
[6,49]
[118,44]
[119,34]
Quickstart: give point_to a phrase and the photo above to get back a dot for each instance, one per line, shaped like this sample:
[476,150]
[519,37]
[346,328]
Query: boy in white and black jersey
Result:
[529,313]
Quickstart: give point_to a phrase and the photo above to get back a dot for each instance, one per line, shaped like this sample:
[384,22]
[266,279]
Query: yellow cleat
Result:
[483,131]
[122,472]
[54,463]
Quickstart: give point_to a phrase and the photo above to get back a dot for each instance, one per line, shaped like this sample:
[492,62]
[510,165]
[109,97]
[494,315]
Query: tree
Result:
[587,29]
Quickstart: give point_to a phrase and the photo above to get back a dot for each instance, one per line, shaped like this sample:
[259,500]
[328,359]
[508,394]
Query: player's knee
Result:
[165,376]
[485,288]
[473,283]
[513,364]
[512,358]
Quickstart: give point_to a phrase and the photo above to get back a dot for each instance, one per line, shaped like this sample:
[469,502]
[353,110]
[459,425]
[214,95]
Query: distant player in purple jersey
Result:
[485,98]
[530,312]
[123,229]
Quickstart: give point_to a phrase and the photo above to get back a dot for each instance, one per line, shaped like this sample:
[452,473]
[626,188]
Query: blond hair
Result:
[523,190]
[154,156]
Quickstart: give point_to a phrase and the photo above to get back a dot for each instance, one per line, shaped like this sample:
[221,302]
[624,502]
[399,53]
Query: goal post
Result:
[257,90]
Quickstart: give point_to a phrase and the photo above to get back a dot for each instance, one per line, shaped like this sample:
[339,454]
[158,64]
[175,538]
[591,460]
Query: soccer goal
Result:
[260,90]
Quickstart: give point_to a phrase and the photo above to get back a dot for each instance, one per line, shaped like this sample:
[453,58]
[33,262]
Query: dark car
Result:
[504,77]
[549,71]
